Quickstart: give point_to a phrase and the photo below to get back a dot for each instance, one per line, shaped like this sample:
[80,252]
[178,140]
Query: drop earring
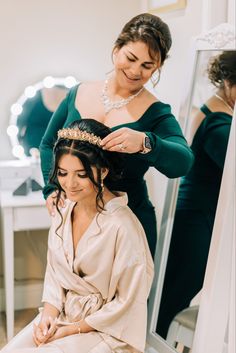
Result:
[102,185]
[155,78]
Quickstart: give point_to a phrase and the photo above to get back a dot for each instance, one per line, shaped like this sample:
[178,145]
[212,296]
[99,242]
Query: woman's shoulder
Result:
[90,87]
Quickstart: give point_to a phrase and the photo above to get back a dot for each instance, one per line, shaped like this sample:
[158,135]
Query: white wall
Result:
[63,37]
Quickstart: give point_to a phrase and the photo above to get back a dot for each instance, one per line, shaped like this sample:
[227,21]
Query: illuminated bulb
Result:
[49,82]
[30,91]
[70,81]
[18,151]
[12,130]
[16,109]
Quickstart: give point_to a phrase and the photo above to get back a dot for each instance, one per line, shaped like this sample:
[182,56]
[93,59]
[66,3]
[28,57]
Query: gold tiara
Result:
[77,134]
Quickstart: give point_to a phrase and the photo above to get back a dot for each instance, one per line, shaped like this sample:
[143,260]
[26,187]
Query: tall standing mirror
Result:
[190,203]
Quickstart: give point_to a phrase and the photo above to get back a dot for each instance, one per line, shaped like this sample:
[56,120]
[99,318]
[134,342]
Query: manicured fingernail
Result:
[45,332]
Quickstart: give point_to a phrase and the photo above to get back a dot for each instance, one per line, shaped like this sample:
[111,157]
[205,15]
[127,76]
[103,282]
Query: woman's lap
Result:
[91,342]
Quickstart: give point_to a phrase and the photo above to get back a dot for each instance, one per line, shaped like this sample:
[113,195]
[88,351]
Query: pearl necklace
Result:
[109,105]
[225,103]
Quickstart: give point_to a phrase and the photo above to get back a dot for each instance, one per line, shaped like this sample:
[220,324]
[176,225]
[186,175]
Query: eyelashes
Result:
[143,65]
[64,174]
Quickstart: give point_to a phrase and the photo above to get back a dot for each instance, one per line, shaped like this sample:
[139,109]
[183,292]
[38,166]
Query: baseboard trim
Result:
[27,295]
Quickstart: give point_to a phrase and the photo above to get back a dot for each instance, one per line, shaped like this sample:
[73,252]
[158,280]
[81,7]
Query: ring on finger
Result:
[121,146]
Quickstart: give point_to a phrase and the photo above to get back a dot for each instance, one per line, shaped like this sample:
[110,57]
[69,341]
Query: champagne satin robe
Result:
[105,281]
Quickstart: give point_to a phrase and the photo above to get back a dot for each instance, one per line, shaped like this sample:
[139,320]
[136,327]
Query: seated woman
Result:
[99,267]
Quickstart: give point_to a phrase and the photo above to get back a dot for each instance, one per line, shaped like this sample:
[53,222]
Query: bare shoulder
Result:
[216,105]
[90,87]
[150,97]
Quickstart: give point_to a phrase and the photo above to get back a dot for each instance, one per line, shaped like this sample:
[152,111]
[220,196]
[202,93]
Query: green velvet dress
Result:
[194,217]
[170,155]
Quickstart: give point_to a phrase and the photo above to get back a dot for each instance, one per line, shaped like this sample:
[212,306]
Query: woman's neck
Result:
[89,207]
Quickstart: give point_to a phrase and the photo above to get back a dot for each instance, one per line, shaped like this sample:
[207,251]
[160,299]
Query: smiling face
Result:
[74,180]
[134,65]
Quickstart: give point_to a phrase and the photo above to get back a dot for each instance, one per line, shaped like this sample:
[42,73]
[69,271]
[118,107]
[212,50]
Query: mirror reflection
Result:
[37,111]
[31,113]
[208,130]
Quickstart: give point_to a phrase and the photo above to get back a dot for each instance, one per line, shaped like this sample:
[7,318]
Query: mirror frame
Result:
[17,107]
[219,38]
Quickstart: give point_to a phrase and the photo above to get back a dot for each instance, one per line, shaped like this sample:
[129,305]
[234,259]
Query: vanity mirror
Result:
[172,292]
[32,111]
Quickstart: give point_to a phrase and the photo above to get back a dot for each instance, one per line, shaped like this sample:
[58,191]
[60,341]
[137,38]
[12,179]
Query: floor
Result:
[22,318]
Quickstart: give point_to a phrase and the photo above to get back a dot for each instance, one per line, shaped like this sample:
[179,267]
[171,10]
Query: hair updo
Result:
[150,30]
[223,67]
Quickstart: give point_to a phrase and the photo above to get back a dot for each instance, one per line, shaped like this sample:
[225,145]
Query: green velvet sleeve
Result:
[170,153]
[46,147]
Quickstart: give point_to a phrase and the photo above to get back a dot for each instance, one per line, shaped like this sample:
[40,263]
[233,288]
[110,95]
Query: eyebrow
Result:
[146,62]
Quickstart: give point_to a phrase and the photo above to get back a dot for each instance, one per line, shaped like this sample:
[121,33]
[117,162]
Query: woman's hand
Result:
[44,330]
[124,140]
[61,331]
[51,202]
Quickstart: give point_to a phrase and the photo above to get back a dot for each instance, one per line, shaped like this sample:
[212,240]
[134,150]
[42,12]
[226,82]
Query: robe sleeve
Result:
[124,316]
[53,293]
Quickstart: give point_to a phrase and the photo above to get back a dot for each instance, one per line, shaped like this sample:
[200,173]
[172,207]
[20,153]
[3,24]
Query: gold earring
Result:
[155,78]
[102,185]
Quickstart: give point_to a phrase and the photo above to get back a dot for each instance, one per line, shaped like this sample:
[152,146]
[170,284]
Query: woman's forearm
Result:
[49,310]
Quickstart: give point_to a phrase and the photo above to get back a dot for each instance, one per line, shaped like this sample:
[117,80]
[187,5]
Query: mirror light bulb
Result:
[16,109]
[49,82]
[30,91]
[18,151]
[70,81]
[12,130]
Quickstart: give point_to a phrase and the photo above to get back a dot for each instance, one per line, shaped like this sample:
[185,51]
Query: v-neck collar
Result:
[110,207]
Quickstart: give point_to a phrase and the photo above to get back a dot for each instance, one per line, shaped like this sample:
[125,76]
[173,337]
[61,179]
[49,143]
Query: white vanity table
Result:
[18,213]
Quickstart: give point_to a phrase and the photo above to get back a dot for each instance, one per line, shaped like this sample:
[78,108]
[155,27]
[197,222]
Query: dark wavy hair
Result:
[90,156]
[223,67]
[149,29]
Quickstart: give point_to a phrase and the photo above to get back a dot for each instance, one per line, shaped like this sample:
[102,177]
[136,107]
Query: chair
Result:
[182,328]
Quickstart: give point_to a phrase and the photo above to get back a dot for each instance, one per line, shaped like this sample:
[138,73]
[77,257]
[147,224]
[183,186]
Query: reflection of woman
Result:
[198,195]
[34,119]
[143,127]
[99,267]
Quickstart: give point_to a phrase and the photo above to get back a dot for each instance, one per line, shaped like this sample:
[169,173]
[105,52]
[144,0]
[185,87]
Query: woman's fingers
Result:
[38,336]
[53,326]
[111,136]
[51,202]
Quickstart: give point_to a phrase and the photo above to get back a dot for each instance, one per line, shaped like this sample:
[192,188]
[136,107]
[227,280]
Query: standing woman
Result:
[143,128]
